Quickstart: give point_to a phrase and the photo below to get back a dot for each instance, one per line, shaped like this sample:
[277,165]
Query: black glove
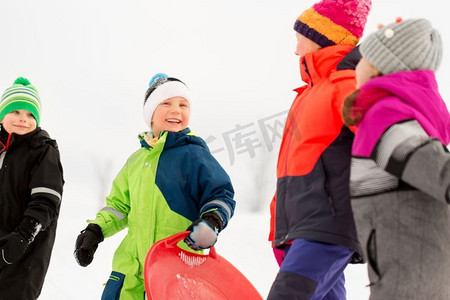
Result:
[204,231]
[14,245]
[86,244]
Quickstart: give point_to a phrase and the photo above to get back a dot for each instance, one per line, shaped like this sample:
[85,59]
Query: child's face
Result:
[19,121]
[364,72]
[171,115]
[305,45]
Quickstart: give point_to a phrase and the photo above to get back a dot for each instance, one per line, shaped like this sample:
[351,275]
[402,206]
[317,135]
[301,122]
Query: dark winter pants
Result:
[311,271]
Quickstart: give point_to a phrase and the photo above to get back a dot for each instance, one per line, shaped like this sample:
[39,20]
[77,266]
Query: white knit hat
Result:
[162,87]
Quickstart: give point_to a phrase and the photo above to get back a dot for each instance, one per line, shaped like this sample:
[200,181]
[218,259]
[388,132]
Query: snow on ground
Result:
[243,243]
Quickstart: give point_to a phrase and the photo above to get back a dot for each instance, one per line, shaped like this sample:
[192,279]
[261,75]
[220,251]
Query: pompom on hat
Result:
[162,87]
[21,95]
[404,45]
[333,22]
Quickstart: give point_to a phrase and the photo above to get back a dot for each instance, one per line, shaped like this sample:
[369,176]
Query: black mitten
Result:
[86,244]
[14,245]
[204,231]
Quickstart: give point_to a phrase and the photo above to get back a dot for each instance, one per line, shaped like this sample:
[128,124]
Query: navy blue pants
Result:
[311,271]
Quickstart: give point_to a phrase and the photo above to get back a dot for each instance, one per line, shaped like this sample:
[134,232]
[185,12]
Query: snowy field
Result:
[243,243]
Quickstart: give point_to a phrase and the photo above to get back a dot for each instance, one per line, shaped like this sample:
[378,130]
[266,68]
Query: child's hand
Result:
[204,232]
[14,245]
[86,244]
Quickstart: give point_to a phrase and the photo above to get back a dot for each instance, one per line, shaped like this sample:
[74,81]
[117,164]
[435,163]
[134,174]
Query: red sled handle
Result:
[173,240]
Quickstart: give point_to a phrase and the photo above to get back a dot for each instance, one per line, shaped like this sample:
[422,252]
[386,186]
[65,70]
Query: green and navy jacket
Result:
[161,190]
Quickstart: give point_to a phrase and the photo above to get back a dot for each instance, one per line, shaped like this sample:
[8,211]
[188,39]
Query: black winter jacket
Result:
[31,184]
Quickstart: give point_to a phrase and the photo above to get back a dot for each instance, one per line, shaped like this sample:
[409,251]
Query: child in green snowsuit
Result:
[172,183]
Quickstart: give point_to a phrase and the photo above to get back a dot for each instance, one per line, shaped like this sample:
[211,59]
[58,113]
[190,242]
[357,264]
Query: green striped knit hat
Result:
[21,95]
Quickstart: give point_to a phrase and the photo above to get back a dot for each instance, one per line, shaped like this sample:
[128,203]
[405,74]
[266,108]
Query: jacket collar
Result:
[172,139]
[320,63]
[5,138]
[18,138]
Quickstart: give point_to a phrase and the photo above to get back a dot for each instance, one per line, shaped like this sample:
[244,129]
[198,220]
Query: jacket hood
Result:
[417,88]
[400,96]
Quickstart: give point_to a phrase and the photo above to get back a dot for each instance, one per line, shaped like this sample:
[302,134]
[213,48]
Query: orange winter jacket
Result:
[312,199]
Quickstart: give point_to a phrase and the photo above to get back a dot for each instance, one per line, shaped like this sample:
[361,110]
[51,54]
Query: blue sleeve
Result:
[211,185]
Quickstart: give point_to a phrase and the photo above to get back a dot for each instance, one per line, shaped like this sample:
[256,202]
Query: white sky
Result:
[91,62]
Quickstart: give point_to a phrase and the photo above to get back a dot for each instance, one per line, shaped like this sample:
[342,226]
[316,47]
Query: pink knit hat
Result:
[332,22]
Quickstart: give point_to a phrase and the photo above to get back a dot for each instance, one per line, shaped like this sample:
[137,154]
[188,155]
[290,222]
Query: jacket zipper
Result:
[294,118]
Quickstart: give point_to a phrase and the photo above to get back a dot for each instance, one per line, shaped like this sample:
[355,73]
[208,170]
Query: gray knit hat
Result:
[404,46]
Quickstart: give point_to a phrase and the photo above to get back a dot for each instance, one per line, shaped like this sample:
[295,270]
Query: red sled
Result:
[173,273]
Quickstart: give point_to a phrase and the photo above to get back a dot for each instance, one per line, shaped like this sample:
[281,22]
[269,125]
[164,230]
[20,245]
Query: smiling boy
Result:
[19,121]
[31,184]
[171,115]
[171,184]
